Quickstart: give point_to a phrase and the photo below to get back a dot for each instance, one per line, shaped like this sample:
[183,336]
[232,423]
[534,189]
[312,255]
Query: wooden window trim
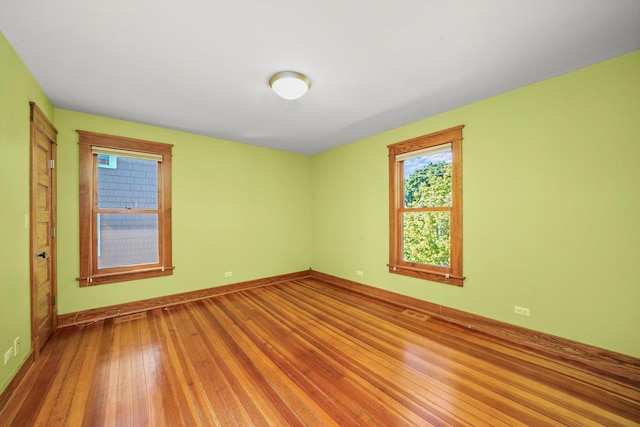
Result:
[89,273]
[453,274]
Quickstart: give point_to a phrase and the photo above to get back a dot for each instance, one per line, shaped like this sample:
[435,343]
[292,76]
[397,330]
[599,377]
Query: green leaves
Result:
[425,234]
[429,186]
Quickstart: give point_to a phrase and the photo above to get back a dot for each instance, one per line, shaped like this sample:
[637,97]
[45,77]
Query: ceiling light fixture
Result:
[290,84]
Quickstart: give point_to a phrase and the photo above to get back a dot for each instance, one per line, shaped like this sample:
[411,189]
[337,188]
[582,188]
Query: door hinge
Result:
[52,164]
[53,300]
[53,232]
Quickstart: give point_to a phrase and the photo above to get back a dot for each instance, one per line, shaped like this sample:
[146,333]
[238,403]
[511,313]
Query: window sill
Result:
[426,275]
[124,276]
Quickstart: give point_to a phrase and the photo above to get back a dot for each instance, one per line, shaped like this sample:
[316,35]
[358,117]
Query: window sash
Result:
[145,239]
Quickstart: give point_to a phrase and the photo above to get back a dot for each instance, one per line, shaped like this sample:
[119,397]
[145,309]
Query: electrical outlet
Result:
[16,346]
[524,311]
[228,273]
[359,273]
[8,355]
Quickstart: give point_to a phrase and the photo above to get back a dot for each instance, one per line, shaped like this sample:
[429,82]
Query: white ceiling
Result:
[203,66]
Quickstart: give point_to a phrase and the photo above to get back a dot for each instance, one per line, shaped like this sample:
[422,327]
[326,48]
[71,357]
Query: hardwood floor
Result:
[304,353]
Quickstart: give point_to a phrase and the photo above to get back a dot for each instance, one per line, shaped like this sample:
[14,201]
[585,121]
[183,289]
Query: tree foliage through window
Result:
[426,234]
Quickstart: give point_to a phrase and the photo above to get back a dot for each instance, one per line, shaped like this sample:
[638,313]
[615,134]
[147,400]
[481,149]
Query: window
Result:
[125,209]
[425,207]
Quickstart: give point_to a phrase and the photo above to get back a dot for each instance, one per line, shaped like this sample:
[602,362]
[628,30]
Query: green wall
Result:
[551,184]
[17,89]
[236,207]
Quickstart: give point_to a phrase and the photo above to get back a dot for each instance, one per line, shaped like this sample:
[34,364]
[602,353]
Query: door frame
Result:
[40,124]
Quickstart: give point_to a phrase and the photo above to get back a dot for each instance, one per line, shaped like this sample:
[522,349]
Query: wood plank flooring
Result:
[304,353]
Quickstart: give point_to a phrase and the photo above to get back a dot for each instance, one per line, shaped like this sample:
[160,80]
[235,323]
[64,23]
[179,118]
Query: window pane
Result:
[106,161]
[127,239]
[425,238]
[130,184]
[427,181]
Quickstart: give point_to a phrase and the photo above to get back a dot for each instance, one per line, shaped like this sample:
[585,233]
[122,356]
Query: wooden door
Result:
[43,222]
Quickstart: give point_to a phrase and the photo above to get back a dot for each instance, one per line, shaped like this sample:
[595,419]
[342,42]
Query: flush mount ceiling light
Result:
[289,84]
